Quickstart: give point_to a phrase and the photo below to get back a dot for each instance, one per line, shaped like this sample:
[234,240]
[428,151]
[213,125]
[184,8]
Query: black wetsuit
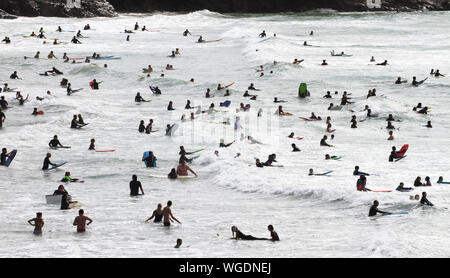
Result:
[240,235]
[324,143]
[274,236]
[172,175]
[138,98]
[3,103]
[295,149]
[134,187]
[74,124]
[92,146]
[358,173]
[46,163]
[392,156]
[54,143]
[65,203]
[3,158]
[424,201]
[260,165]
[374,210]
[141,128]
[183,157]
[57,192]
[403,189]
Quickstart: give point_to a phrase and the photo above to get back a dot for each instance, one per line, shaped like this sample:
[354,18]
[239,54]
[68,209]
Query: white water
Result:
[314,216]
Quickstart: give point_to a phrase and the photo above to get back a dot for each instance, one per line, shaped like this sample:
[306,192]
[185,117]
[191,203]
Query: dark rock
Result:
[5,15]
[58,8]
[273,6]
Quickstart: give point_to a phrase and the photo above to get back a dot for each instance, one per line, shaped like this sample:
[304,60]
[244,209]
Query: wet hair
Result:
[169,203]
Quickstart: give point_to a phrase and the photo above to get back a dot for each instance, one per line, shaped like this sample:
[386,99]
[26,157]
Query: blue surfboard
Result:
[58,165]
[12,154]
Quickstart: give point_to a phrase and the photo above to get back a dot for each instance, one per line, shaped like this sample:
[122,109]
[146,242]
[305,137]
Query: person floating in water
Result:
[417,83]
[385,63]
[356,172]
[186,32]
[294,148]
[374,209]
[263,34]
[400,81]
[179,242]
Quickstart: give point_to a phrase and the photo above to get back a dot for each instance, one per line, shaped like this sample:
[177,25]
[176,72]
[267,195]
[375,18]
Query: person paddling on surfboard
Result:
[200,39]
[374,209]
[385,63]
[401,187]
[356,172]
[67,178]
[47,162]
[417,83]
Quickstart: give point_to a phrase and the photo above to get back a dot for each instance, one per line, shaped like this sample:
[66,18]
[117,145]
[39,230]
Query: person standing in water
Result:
[157,214]
[167,215]
[80,221]
[135,185]
[183,168]
[374,209]
[38,223]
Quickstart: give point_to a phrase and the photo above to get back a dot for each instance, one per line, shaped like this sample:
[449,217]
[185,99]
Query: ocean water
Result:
[315,216]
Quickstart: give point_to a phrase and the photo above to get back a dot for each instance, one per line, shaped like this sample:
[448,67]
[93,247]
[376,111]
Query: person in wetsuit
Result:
[294,148]
[60,191]
[400,81]
[65,202]
[172,174]
[401,188]
[323,142]
[47,162]
[361,184]
[92,145]
[54,143]
[273,234]
[383,64]
[186,32]
[157,214]
[188,105]
[416,83]
[150,160]
[356,172]
[3,156]
[394,154]
[424,200]
[135,185]
[263,34]
[239,235]
[418,182]
[141,128]
[374,209]
[138,98]
[74,123]
[259,164]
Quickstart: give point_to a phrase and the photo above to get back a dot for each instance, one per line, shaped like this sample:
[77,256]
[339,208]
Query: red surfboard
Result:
[403,150]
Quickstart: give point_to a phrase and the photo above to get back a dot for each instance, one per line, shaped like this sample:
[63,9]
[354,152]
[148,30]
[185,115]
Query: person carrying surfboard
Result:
[374,209]
[3,156]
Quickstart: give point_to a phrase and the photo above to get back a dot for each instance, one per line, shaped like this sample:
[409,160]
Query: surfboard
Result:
[75,205]
[231,84]
[209,41]
[309,119]
[299,138]
[83,125]
[104,151]
[166,177]
[323,174]
[12,154]
[172,129]
[381,191]
[337,157]
[146,155]
[302,89]
[199,150]
[392,213]
[63,147]
[397,159]
[338,107]
[57,165]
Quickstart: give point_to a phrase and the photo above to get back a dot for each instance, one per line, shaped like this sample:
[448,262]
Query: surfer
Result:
[429,124]
[389,125]
[323,142]
[141,128]
[80,221]
[276,100]
[94,84]
[69,89]
[47,162]
[150,160]
[172,174]
[54,143]
[361,184]
[3,156]
[239,235]
[148,128]
[294,148]
[271,158]
[400,81]
[74,123]
[401,188]
[273,234]
[38,223]
[324,62]
[423,110]
[179,242]
[424,200]
[173,55]
[374,209]
[157,214]
[2,115]
[183,168]
[296,61]
[138,98]
[67,178]
[418,182]
[167,215]
[328,95]
[186,32]
[200,39]
[252,87]
[417,83]
[223,145]
[60,191]
[258,163]
[14,75]
[356,172]
[3,103]
[188,105]
[135,186]
[170,106]
[263,34]
[92,145]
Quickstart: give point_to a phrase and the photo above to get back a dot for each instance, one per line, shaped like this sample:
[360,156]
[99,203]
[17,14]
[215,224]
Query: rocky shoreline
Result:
[10,9]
